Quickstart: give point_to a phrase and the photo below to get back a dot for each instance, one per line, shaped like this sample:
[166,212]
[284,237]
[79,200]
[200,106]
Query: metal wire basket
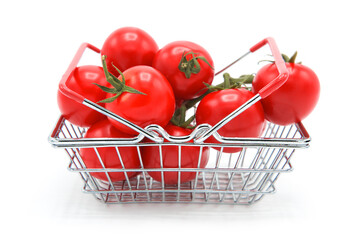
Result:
[234,178]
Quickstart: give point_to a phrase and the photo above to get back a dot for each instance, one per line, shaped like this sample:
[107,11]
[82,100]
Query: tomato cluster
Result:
[147,85]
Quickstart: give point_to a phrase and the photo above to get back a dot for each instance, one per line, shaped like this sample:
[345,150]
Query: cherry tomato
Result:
[167,61]
[217,105]
[127,47]
[81,81]
[294,100]
[170,158]
[109,156]
[155,106]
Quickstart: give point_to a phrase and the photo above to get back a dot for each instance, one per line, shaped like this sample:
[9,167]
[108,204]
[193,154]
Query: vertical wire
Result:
[143,173]
[162,173]
[215,172]
[106,173]
[179,173]
[76,154]
[275,166]
[198,167]
[240,158]
[125,173]
[263,177]
[263,162]
[254,163]
[89,176]
[286,162]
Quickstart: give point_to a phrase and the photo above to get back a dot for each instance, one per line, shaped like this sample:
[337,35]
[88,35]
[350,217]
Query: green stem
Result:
[182,115]
[179,119]
[226,80]
[233,82]
[187,123]
[118,86]
[108,75]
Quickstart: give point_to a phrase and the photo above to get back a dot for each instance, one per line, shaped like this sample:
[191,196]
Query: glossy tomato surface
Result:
[170,157]
[109,156]
[81,81]
[293,101]
[127,47]
[155,107]
[217,105]
[167,61]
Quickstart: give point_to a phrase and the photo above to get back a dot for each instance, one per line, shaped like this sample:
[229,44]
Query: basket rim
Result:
[302,142]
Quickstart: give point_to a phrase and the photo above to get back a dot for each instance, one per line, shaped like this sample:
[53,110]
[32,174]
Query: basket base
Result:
[208,188]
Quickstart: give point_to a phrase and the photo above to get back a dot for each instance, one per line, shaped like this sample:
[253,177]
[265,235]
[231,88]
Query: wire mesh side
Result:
[235,178]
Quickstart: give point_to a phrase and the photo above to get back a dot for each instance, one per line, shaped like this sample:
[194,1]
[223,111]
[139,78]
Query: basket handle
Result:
[63,88]
[280,65]
[263,93]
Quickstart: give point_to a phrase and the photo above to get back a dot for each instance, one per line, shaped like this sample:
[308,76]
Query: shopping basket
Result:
[233,178]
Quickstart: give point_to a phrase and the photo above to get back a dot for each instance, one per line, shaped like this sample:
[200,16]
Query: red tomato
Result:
[155,107]
[293,101]
[170,158]
[109,156]
[127,47]
[167,61]
[81,81]
[217,105]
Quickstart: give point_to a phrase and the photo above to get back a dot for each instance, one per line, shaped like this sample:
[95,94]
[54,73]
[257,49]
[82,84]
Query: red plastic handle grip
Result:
[280,65]
[62,86]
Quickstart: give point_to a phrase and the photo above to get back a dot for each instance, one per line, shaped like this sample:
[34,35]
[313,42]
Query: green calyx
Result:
[286,59]
[191,66]
[118,86]
[291,59]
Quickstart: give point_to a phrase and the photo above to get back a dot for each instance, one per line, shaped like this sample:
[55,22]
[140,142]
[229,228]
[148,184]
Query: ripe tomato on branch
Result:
[170,158]
[129,157]
[127,47]
[141,95]
[81,81]
[215,106]
[294,100]
[187,66]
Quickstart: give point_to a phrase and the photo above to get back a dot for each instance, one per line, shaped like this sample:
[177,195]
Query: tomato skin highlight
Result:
[129,155]
[293,101]
[81,81]
[156,107]
[170,158]
[217,105]
[167,60]
[127,47]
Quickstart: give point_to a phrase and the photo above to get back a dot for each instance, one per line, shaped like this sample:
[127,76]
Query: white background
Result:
[40,197]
